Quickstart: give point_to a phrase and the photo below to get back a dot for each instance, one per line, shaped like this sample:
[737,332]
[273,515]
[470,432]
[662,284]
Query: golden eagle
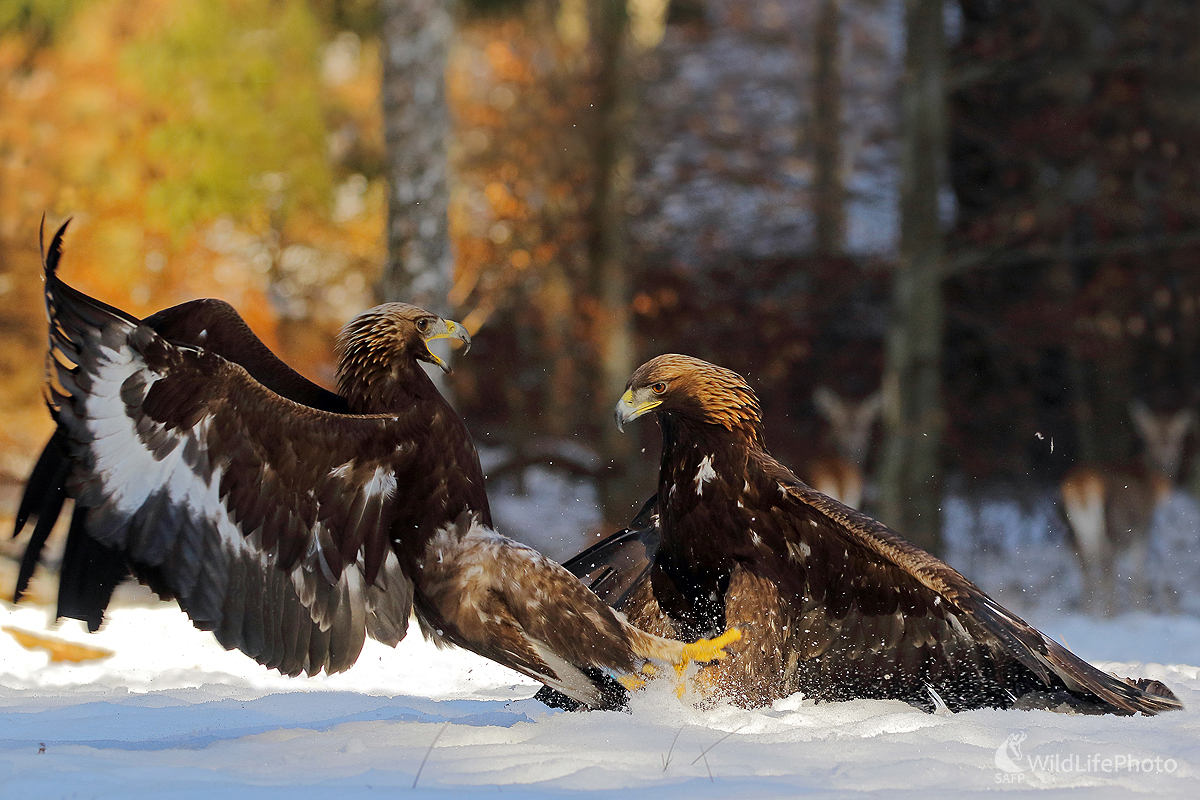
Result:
[830,602]
[291,521]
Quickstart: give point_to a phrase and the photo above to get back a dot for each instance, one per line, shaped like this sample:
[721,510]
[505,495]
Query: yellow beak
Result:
[630,408]
[447,329]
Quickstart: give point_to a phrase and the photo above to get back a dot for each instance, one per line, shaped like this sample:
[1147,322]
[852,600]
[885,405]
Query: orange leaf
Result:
[59,649]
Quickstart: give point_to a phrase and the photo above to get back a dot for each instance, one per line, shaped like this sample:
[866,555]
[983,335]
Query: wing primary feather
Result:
[303,626]
[184,560]
[45,489]
[89,573]
[280,584]
[230,629]
[292,621]
[318,650]
[252,626]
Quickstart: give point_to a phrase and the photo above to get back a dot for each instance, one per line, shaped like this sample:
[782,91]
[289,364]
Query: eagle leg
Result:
[678,654]
[707,649]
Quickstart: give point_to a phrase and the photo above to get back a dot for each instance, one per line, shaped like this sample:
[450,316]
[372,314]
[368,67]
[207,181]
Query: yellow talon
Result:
[635,682]
[703,650]
[675,652]
[708,649]
[631,682]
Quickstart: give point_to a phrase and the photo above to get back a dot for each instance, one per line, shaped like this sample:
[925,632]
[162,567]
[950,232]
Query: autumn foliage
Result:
[201,149]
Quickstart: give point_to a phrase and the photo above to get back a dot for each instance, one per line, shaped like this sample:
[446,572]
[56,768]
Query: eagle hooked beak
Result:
[446,329]
[630,407]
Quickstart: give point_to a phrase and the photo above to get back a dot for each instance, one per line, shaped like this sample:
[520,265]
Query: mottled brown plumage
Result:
[830,602]
[376,348]
[291,521]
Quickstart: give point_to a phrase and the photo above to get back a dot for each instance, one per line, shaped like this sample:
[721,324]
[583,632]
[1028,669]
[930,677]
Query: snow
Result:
[172,715]
[554,513]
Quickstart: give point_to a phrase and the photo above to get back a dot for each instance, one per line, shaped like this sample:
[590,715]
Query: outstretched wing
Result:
[218,328]
[292,532]
[834,604]
[269,521]
[91,570]
[871,609]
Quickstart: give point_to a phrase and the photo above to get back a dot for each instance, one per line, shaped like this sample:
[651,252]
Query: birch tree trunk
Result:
[911,467]
[416,42]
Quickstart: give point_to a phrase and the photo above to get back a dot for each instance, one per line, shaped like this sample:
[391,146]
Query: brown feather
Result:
[291,521]
[745,543]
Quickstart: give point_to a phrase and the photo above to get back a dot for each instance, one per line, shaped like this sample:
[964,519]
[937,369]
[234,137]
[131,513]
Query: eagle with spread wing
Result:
[830,602]
[290,521]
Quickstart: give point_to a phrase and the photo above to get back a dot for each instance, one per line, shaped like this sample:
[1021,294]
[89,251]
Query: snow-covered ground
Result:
[172,715]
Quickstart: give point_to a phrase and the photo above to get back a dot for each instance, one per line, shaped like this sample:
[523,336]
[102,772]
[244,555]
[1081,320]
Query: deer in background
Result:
[1110,510]
[841,476]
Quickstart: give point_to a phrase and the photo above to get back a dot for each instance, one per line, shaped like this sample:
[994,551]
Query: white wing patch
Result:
[115,445]
[130,473]
[382,483]
[155,495]
[704,474]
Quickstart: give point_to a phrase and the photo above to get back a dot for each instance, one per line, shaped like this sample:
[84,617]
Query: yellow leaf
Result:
[59,649]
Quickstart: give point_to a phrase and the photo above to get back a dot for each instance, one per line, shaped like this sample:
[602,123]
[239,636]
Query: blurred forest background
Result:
[988,207]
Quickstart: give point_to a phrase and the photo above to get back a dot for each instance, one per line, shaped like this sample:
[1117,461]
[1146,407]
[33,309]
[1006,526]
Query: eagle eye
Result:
[423,324]
[659,387]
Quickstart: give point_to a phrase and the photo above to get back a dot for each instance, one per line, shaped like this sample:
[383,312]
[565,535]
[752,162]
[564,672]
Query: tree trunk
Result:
[911,468]
[561,26]
[826,130]
[619,487]
[416,41]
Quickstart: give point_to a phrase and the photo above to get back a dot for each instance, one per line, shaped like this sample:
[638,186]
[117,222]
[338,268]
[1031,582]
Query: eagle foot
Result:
[633,683]
[707,649]
[678,654]
[703,650]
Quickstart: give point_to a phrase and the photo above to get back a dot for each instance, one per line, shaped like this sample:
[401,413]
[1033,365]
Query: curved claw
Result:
[703,650]
[632,683]
[675,653]
[708,649]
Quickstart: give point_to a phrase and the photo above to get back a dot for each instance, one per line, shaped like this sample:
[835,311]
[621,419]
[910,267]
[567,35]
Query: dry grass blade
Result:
[667,759]
[421,768]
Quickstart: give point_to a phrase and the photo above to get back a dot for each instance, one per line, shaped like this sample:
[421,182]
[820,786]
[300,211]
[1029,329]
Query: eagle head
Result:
[380,344]
[691,391]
